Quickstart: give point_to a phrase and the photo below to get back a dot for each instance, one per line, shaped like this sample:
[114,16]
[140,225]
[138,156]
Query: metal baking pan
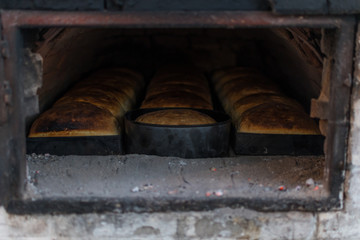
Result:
[92,145]
[200,141]
[277,144]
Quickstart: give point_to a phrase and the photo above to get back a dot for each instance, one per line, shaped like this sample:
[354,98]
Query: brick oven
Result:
[308,49]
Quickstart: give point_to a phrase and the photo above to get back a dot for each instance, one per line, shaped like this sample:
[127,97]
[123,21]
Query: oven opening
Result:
[298,60]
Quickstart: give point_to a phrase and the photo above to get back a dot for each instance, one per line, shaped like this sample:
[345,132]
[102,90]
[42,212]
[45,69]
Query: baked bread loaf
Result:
[75,119]
[276,118]
[260,79]
[255,100]
[232,71]
[175,117]
[178,87]
[93,107]
[223,76]
[230,96]
[125,101]
[257,105]
[105,102]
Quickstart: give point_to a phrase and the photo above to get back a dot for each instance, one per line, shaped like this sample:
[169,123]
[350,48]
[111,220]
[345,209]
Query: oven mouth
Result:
[187,184]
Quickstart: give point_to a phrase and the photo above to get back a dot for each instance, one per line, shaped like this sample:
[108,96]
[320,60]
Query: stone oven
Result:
[306,50]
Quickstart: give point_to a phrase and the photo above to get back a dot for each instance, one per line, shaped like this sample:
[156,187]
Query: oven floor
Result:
[134,176]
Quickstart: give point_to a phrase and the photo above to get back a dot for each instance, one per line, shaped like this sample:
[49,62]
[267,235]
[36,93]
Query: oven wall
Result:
[294,57]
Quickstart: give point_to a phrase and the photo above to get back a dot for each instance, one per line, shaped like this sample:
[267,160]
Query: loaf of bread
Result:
[276,118]
[231,95]
[257,105]
[105,102]
[176,99]
[178,87]
[221,77]
[95,106]
[175,117]
[245,79]
[255,100]
[222,74]
[75,119]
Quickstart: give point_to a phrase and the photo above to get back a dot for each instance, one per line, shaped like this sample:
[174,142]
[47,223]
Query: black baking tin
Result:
[277,144]
[93,145]
[200,141]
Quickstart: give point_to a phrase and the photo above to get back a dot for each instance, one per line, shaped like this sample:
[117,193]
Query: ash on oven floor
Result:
[133,176]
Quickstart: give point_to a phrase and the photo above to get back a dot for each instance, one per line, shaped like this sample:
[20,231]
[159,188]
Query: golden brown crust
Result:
[230,96]
[242,80]
[118,88]
[177,100]
[103,101]
[75,119]
[255,100]
[257,105]
[276,118]
[93,107]
[175,117]
[125,102]
[179,87]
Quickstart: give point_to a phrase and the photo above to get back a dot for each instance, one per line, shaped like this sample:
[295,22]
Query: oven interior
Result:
[56,58]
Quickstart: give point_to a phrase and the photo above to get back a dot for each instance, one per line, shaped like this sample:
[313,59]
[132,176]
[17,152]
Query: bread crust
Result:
[276,118]
[233,71]
[231,95]
[255,100]
[175,117]
[178,86]
[122,97]
[75,119]
[93,107]
[177,100]
[257,105]
[106,102]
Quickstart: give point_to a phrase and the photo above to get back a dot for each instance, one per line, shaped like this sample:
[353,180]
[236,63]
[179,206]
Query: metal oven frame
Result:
[12,104]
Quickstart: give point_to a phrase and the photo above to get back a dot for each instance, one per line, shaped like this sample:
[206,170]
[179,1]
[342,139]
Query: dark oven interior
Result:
[290,56]
[299,59]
